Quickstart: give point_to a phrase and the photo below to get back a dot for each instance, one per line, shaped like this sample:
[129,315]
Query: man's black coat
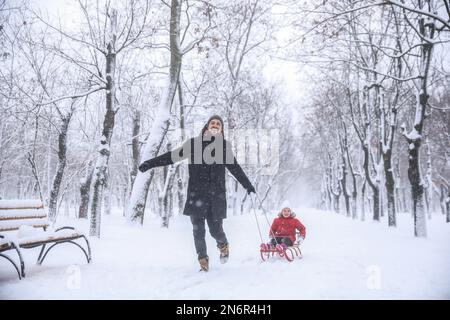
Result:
[206,192]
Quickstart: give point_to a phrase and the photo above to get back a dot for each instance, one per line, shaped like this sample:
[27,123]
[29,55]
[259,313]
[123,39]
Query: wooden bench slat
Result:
[25,208]
[20,204]
[4,245]
[7,225]
[11,218]
[37,242]
[40,237]
[17,228]
[22,214]
[23,218]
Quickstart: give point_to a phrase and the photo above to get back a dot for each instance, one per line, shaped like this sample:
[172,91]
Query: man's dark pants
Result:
[215,229]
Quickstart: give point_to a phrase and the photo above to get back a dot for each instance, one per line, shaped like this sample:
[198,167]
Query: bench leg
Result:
[40,254]
[42,257]
[22,264]
[89,257]
[13,263]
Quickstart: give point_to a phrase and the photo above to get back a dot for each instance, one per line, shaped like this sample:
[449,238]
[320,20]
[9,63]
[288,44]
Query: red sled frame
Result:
[289,253]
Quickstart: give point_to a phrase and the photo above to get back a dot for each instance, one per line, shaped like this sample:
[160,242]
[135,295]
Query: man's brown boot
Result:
[224,253]
[204,264]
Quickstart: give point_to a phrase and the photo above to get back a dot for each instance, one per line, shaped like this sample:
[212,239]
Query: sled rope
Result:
[256,218]
[265,212]
[265,215]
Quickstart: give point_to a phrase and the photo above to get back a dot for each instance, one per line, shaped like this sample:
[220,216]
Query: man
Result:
[208,155]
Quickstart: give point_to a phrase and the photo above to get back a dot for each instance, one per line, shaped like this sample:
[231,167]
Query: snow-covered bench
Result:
[20,227]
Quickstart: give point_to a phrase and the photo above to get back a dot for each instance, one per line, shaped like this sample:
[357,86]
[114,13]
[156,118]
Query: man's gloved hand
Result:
[251,189]
[144,166]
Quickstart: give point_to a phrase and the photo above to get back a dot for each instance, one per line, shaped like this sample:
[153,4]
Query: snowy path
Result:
[343,259]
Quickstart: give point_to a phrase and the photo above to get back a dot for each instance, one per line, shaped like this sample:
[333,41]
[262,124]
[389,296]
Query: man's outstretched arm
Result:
[233,166]
[168,158]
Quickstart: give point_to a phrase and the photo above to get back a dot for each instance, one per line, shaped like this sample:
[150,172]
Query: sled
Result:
[268,251]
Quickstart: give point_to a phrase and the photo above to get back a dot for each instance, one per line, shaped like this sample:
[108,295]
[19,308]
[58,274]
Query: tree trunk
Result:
[390,188]
[50,167]
[429,184]
[324,197]
[344,165]
[417,193]
[179,171]
[414,138]
[62,152]
[167,193]
[373,186]
[343,182]
[22,191]
[135,158]
[400,203]
[328,189]
[335,187]
[180,189]
[386,145]
[234,196]
[363,200]
[107,196]
[442,199]
[135,147]
[167,198]
[85,187]
[160,126]
[447,205]
[101,166]
[417,189]
[336,202]
[244,199]
[354,186]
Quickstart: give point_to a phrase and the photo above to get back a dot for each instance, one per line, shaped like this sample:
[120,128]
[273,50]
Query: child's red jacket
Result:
[286,227]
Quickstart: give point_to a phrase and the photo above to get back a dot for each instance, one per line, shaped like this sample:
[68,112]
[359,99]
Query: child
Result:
[284,228]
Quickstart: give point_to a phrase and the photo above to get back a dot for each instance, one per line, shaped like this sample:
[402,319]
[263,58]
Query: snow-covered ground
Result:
[343,259]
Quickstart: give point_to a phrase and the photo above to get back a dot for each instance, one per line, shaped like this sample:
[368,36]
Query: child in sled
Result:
[284,228]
